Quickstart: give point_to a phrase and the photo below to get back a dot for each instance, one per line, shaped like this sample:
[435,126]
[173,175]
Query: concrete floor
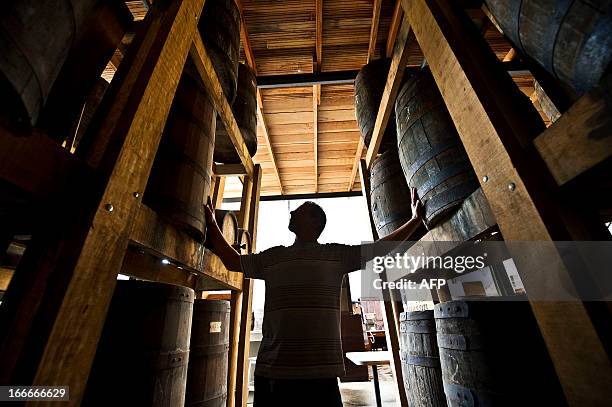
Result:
[361,394]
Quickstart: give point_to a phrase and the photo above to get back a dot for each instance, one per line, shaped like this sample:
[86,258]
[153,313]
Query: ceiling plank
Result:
[319,35]
[262,121]
[396,21]
[374,28]
[394,80]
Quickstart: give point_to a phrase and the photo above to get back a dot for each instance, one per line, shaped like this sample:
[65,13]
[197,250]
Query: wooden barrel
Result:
[144,348]
[243,242]
[208,358]
[228,223]
[220,30]
[35,37]
[570,39]
[421,359]
[180,179]
[245,112]
[492,354]
[93,48]
[369,86]
[430,151]
[390,196]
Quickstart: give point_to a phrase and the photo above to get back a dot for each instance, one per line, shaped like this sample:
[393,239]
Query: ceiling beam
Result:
[316,97]
[246,42]
[319,35]
[374,28]
[266,134]
[394,80]
[309,79]
[396,21]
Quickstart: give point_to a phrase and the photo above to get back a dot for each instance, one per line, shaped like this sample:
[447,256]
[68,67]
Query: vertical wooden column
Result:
[392,307]
[497,132]
[54,314]
[244,341]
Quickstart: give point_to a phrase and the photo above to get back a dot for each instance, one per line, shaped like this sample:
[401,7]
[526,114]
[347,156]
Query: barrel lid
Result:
[451,309]
[211,305]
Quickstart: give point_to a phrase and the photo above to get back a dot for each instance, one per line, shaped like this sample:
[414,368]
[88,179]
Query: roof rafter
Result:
[374,28]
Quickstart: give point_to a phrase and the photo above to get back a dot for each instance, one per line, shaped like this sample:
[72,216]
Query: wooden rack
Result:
[521,180]
[93,226]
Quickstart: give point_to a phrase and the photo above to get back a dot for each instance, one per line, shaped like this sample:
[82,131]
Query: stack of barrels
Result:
[159,347]
[476,353]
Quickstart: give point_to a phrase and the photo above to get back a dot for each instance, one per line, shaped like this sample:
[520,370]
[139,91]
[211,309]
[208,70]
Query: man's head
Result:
[307,221]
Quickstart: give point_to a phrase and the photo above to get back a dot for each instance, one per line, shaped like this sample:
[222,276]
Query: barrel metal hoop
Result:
[440,202]
[443,176]
[426,156]
[451,309]
[396,217]
[171,360]
[419,326]
[459,396]
[218,348]
[424,361]
[460,342]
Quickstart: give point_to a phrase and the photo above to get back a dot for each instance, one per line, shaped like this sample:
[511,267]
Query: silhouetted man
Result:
[300,357]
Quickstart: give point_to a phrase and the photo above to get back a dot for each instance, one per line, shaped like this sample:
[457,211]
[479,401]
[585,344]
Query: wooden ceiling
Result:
[309,141]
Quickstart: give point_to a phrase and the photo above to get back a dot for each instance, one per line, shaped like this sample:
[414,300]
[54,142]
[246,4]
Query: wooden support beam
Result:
[394,80]
[55,310]
[206,69]
[242,375]
[225,170]
[262,122]
[356,162]
[582,137]
[216,197]
[318,35]
[6,274]
[391,315]
[140,264]
[246,42]
[234,345]
[374,28]
[496,133]
[396,21]
[315,127]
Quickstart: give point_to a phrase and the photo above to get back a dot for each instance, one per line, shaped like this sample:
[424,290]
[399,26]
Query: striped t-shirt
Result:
[301,327]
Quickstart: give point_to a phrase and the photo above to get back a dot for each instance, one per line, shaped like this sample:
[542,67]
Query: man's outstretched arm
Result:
[217,243]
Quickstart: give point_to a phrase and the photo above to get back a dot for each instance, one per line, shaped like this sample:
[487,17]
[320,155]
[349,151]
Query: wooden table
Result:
[373,359]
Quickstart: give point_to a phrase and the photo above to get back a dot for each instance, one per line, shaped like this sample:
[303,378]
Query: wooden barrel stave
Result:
[220,30]
[430,151]
[390,196]
[369,87]
[421,360]
[570,39]
[245,112]
[35,37]
[143,351]
[180,179]
[208,361]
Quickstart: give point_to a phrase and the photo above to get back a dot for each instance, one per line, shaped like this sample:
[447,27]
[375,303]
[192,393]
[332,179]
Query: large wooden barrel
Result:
[144,348]
[421,359]
[430,151]
[180,179]
[220,30]
[570,39]
[245,112]
[208,358]
[93,48]
[390,196]
[35,37]
[228,223]
[243,241]
[369,86]
[492,354]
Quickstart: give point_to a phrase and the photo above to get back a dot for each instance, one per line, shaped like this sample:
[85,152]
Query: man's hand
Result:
[209,213]
[416,205]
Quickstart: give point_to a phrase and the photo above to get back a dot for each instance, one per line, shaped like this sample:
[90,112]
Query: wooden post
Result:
[393,308]
[244,341]
[497,134]
[56,309]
